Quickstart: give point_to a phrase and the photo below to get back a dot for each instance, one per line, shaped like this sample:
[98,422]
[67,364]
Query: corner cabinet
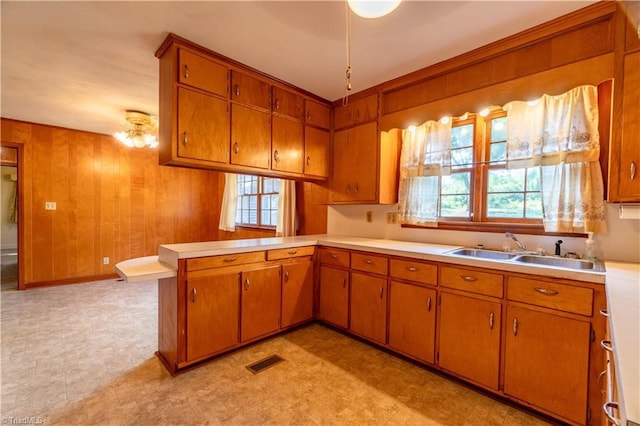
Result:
[218,114]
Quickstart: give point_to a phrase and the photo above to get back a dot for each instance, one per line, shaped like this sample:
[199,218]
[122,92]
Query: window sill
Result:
[520,228]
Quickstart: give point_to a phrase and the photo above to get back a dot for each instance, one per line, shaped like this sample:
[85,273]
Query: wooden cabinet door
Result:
[297,292]
[250,137]
[547,361]
[287,103]
[412,320]
[287,145]
[212,314]
[369,306]
[629,171]
[343,163]
[470,338]
[316,152]
[197,71]
[317,114]
[260,313]
[333,306]
[250,90]
[365,155]
[203,127]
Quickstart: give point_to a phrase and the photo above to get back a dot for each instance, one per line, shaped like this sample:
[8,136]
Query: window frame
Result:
[260,194]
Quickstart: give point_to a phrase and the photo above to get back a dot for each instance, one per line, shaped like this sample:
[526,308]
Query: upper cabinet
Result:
[356,112]
[218,114]
[632,33]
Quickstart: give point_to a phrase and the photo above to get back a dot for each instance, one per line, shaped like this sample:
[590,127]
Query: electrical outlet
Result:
[49,205]
[392,218]
[369,217]
[105,260]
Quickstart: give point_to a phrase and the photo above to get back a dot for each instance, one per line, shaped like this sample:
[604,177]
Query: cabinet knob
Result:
[194,293]
[348,188]
[546,291]
[308,115]
[292,252]
[185,140]
[632,170]
[469,278]
[381,291]
[429,304]
[308,160]
[367,261]
[276,156]
[186,71]
[229,259]
[515,326]
[236,147]
[286,277]
[333,256]
[412,269]
[355,187]
[246,284]
[344,282]
[277,104]
[237,90]
[491,321]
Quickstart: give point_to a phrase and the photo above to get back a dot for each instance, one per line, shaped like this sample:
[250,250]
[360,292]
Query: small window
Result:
[257,201]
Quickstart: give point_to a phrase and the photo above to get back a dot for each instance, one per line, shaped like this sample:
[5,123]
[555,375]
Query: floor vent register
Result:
[263,364]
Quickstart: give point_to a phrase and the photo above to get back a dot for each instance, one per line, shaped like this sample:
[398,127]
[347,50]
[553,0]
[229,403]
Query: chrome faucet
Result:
[521,246]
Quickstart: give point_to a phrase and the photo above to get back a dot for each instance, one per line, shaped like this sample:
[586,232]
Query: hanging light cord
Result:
[347,88]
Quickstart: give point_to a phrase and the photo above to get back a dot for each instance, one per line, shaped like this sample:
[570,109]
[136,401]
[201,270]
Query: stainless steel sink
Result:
[485,254]
[560,262]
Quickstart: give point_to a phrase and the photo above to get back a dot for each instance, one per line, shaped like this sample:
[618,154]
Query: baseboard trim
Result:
[67,281]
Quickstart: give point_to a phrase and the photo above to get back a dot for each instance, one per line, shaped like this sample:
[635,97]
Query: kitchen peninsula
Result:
[406,297]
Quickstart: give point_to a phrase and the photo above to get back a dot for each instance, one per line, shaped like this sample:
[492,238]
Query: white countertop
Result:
[623,304]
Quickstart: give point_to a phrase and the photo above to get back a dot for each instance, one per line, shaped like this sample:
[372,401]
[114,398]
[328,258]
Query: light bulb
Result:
[373,8]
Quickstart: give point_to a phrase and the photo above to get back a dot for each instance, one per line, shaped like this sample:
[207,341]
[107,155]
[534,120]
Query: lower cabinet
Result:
[470,338]
[260,301]
[547,361]
[412,320]
[212,314]
[333,306]
[297,293]
[369,306]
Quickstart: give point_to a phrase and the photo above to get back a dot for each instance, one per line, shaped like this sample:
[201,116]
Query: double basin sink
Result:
[532,259]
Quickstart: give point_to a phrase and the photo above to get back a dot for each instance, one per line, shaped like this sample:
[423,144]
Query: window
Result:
[257,201]
[480,188]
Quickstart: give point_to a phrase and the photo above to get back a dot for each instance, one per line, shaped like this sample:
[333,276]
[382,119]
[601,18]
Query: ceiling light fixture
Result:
[373,8]
[141,130]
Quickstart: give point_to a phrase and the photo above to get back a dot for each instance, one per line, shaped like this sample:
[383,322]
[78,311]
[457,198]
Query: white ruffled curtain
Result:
[560,135]
[286,226]
[229,203]
[425,156]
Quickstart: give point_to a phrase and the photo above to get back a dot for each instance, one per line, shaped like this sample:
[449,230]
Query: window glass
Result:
[257,201]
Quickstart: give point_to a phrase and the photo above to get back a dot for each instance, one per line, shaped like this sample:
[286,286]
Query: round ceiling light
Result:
[373,8]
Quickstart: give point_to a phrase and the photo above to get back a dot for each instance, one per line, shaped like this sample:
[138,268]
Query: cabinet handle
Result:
[276,156]
[186,71]
[194,293]
[308,115]
[515,326]
[237,90]
[606,345]
[380,292]
[286,277]
[605,408]
[277,104]
[468,278]
[367,261]
[236,147]
[333,256]
[412,269]
[308,160]
[229,259]
[292,251]
[348,188]
[185,140]
[355,187]
[632,170]
[604,313]
[429,304]
[246,284]
[602,391]
[546,291]
[491,321]
[344,282]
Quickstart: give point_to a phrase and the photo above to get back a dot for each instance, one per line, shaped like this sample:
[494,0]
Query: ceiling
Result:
[81,64]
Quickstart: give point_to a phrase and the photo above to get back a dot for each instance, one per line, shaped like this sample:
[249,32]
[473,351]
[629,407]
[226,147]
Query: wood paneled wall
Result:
[112,201]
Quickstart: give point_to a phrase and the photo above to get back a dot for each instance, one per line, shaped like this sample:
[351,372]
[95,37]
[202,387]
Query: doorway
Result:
[9,218]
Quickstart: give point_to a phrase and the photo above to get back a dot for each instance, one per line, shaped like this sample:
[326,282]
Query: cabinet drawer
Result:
[413,270]
[563,297]
[287,253]
[250,90]
[224,260]
[287,103]
[202,73]
[471,280]
[369,263]
[330,256]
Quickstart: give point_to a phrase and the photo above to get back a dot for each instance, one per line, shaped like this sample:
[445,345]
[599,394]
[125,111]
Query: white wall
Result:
[8,231]
[621,242]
